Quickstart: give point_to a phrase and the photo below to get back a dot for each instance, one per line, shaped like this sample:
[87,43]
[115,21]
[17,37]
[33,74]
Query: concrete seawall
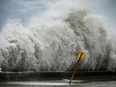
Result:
[39,76]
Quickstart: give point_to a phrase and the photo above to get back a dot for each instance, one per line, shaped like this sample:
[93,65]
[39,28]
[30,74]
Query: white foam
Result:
[38,83]
[51,41]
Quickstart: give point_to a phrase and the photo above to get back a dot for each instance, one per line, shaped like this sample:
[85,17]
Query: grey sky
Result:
[24,9]
[21,9]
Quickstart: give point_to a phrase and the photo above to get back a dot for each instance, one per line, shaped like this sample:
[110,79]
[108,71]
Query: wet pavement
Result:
[60,83]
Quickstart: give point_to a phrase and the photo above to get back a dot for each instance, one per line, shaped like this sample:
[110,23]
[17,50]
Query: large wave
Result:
[53,40]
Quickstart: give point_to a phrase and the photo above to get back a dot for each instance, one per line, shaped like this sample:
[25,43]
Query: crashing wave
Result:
[52,44]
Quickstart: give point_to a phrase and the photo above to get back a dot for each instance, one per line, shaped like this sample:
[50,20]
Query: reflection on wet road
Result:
[60,83]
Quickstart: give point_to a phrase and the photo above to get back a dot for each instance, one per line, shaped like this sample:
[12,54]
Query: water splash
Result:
[52,40]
